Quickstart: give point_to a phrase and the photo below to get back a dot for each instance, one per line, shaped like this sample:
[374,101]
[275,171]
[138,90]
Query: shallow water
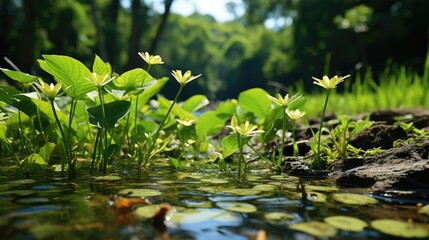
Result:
[50,207]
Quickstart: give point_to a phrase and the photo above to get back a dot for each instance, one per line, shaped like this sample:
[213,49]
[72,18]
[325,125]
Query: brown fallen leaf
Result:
[124,203]
[261,235]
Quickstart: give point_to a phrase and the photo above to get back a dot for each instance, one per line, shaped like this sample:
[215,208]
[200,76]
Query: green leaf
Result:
[150,92]
[237,206]
[317,229]
[46,151]
[13,97]
[346,223]
[353,199]
[230,145]
[19,76]
[255,101]
[177,110]
[400,228]
[208,123]
[70,72]
[133,82]
[3,129]
[195,103]
[114,111]
[34,158]
[100,67]
[175,163]
[139,192]
[197,216]
[226,110]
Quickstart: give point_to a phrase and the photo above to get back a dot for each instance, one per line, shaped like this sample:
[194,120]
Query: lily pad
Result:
[139,192]
[243,191]
[237,207]
[346,223]
[354,199]
[197,204]
[146,212]
[400,228]
[278,217]
[198,215]
[316,197]
[317,229]
[265,187]
[214,181]
[107,178]
[424,210]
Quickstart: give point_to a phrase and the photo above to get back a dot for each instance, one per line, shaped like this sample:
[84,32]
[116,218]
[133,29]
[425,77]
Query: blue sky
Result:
[216,8]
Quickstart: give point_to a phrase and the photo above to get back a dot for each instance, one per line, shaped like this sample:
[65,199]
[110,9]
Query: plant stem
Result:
[62,136]
[295,146]
[155,136]
[104,128]
[280,157]
[240,157]
[318,162]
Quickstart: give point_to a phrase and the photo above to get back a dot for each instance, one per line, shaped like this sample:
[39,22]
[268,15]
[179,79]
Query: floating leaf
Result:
[193,216]
[400,228]
[146,212]
[346,223]
[353,199]
[317,229]
[279,218]
[139,192]
[214,180]
[266,187]
[107,178]
[243,191]
[316,197]
[424,210]
[197,204]
[237,206]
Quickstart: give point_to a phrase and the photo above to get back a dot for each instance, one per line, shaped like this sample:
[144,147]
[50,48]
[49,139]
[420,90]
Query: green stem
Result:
[155,136]
[104,127]
[135,116]
[295,146]
[69,145]
[62,136]
[94,154]
[280,157]
[21,133]
[318,162]
[241,157]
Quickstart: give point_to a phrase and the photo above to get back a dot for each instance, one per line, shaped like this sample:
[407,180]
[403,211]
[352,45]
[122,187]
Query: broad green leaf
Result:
[229,144]
[208,123]
[139,192]
[317,197]
[242,191]
[226,109]
[152,91]
[346,223]
[353,199]
[195,103]
[13,97]
[237,206]
[114,111]
[175,163]
[46,151]
[19,76]
[200,215]
[3,129]
[279,218]
[317,229]
[70,72]
[34,158]
[108,178]
[133,82]
[100,67]
[399,228]
[177,110]
[146,212]
[255,101]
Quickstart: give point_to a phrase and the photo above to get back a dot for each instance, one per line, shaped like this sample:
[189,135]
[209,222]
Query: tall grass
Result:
[397,87]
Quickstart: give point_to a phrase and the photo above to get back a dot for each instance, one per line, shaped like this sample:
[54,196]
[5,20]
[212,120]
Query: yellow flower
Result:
[187,122]
[295,114]
[329,83]
[151,59]
[245,129]
[284,101]
[50,90]
[185,78]
[98,80]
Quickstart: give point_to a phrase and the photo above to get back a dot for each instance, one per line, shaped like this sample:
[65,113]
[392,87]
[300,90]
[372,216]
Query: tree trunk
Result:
[155,41]
[136,33]
[100,34]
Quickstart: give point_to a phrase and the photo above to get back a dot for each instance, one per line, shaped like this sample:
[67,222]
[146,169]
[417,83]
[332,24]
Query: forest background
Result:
[311,38]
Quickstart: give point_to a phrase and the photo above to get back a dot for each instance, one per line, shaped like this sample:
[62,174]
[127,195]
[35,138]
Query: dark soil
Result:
[400,173]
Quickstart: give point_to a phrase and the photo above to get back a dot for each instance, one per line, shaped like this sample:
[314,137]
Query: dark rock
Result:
[403,169]
[378,135]
[419,117]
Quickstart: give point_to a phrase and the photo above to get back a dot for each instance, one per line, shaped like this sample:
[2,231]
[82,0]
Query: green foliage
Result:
[114,111]
[255,101]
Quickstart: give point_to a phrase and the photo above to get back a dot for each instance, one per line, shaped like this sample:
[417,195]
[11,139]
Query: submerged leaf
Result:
[346,223]
[400,228]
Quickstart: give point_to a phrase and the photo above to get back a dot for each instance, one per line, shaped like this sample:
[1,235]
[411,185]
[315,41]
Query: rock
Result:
[402,169]
[419,117]
[378,135]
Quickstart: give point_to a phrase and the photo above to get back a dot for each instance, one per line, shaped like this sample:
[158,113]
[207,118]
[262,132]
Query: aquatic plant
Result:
[294,115]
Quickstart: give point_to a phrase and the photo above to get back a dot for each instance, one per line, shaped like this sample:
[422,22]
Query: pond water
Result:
[205,205]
